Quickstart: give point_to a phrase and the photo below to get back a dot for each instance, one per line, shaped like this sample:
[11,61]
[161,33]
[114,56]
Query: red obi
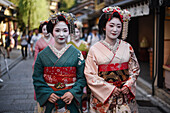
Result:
[60,78]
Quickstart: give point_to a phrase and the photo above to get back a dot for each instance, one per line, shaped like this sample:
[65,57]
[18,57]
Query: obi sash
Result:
[60,78]
[116,74]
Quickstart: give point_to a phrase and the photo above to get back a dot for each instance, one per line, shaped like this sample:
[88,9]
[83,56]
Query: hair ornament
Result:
[69,17]
[124,15]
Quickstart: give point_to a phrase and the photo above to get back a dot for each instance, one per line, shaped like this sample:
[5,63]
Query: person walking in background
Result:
[111,67]
[15,37]
[58,76]
[44,41]
[7,44]
[94,36]
[34,39]
[24,44]
[30,34]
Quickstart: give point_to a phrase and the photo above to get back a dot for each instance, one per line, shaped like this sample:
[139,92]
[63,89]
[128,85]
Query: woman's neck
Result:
[59,46]
[111,41]
[47,37]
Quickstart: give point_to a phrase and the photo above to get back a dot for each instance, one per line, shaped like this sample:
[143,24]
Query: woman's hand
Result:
[125,90]
[53,98]
[116,91]
[67,97]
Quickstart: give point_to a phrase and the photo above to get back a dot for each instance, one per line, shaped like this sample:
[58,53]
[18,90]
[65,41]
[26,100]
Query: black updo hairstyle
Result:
[104,18]
[41,26]
[50,25]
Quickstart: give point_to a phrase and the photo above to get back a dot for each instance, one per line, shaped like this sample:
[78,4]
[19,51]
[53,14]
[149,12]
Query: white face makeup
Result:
[60,32]
[44,31]
[113,28]
[77,34]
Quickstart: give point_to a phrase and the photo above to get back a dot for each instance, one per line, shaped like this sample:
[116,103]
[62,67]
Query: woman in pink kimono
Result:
[111,66]
[44,41]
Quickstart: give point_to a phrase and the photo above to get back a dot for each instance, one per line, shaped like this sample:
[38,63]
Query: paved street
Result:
[16,94]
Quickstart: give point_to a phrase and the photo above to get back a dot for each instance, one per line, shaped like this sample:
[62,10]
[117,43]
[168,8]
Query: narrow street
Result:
[16,94]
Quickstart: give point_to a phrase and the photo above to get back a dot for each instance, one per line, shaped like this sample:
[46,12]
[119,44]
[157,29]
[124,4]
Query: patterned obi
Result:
[116,74]
[60,78]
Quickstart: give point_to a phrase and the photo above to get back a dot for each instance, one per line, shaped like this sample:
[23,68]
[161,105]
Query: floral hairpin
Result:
[124,14]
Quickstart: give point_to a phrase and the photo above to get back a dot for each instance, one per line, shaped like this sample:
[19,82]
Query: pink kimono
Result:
[40,45]
[108,67]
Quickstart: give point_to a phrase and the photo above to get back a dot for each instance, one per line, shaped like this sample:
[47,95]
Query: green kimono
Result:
[82,46]
[71,57]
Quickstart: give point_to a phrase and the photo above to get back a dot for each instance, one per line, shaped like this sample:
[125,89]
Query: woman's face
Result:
[77,34]
[113,28]
[60,32]
[44,31]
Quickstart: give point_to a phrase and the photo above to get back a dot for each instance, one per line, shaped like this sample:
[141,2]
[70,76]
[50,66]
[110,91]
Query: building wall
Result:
[146,29]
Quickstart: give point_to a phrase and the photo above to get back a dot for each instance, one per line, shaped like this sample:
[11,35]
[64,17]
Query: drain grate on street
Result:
[145,103]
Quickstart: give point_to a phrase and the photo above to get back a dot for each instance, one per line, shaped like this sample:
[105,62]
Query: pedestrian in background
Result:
[34,39]
[94,36]
[111,66]
[24,45]
[30,34]
[7,44]
[15,37]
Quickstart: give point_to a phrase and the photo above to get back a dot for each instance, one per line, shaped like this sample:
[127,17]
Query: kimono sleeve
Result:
[99,87]
[42,90]
[77,89]
[134,70]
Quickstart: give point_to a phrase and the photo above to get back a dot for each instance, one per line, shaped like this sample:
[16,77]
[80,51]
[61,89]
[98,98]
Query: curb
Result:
[155,100]
[10,66]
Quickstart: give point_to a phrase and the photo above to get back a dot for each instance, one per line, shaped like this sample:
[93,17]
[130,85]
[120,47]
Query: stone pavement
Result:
[16,94]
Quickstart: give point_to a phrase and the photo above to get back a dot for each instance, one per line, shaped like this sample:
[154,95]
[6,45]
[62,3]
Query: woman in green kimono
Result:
[58,76]
[76,42]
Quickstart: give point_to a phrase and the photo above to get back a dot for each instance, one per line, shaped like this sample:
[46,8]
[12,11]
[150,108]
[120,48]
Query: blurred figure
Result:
[44,41]
[24,45]
[34,39]
[30,34]
[94,36]
[7,44]
[15,37]
[79,44]
[85,34]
